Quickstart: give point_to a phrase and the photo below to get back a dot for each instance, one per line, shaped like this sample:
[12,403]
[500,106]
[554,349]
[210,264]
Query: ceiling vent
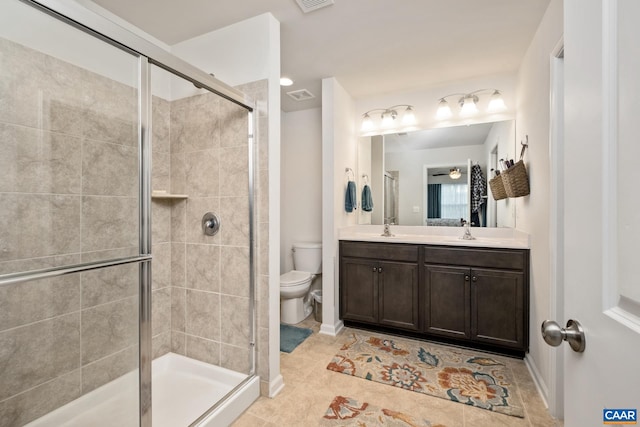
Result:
[301,95]
[311,5]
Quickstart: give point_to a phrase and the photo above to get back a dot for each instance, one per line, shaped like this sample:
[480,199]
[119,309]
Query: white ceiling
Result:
[371,46]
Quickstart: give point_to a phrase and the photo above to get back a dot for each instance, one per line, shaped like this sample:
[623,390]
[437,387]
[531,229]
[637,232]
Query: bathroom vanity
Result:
[473,293]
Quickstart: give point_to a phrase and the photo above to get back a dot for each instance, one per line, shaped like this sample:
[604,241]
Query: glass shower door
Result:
[69,224]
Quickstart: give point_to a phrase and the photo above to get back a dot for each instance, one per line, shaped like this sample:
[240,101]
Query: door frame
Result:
[555,396]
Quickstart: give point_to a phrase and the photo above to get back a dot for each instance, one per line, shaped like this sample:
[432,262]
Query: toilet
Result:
[295,301]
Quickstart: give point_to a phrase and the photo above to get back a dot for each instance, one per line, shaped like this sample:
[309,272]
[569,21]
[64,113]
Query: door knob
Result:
[553,334]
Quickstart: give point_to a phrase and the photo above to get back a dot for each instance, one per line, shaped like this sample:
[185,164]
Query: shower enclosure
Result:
[116,306]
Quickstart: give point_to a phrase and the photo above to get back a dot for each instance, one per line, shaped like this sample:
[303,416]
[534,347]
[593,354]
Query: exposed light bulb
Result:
[285,81]
[454,173]
[408,118]
[444,111]
[496,103]
[367,123]
[469,107]
[388,117]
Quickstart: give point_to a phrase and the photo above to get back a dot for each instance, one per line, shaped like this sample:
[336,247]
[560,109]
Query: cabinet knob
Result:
[375,269]
[474,278]
[379,269]
[466,277]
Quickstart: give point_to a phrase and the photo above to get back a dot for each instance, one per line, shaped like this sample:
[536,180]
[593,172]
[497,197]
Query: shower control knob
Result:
[210,224]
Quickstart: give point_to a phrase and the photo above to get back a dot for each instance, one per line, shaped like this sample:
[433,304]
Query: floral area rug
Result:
[348,412]
[464,376]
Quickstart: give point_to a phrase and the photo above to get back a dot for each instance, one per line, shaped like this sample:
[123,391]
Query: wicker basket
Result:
[497,188]
[515,180]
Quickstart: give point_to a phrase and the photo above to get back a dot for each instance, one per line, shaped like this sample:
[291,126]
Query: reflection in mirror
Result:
[412,159]
[447,195]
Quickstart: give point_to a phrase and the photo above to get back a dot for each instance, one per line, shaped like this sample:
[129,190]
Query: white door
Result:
[602,207]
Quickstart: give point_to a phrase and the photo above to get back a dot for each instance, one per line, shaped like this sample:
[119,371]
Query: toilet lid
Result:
[294,277]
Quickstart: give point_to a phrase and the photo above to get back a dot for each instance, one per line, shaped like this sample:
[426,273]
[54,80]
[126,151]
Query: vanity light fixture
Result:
[454,173]
[469,103]
[388,117]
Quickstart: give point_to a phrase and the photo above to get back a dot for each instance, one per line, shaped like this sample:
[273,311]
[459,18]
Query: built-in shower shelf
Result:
[165,195]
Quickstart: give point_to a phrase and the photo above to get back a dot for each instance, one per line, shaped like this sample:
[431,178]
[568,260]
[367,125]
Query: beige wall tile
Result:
[234,358]
[178,173]
[263,248]
[109,169]
[108,369]
[202,170]
[234,271]
[109,328]
[161,275]
[161,220]
[194,124]
[204,350]
[179,221]
[178,265]
[234,121]
[263,301]
[160,122]
[28,302]
[34,226]
[161,344]
[160,171]
[234,218]
[263,352]
[262,195]
[178,309]
[234,179]
[235,320]
[160,311]
[203,267]
[109,128]
[109,222]
[36,402]
[109,284]
[34,161]
[178,343]
[203,314]
[39,352]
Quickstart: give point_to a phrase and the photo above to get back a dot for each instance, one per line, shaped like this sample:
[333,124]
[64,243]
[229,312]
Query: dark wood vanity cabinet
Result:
[379,284]
[478,295]
[473,296]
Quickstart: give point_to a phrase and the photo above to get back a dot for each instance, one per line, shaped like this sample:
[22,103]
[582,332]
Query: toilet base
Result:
[294,310]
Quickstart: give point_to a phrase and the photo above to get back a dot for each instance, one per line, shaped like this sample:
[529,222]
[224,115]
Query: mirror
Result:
[401,169]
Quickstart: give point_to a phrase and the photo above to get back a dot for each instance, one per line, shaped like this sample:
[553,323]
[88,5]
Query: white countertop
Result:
[448,236]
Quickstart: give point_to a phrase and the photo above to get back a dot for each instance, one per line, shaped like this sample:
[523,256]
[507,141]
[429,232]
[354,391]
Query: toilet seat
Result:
[294,278]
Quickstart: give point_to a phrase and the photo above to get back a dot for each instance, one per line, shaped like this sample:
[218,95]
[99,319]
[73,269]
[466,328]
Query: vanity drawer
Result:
[510,259]
[383,251]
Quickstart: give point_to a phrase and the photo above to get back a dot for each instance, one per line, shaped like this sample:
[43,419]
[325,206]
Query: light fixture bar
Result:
[388,117]
[468,103]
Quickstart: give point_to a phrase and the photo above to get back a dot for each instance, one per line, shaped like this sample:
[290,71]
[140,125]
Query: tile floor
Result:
[310,387]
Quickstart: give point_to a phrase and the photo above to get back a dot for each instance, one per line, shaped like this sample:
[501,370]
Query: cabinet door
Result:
[359,290]
[497,307]
[398,289]
[447,298]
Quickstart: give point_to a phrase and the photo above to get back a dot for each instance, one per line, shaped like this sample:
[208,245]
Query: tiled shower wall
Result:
[68,194]
[67,159]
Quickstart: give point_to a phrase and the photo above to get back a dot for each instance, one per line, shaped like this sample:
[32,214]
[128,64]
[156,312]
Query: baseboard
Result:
[332,330]
[275,386]
[543,390]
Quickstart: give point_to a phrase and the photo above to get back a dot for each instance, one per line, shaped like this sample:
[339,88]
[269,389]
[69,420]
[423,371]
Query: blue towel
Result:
[367,201]
[350,202]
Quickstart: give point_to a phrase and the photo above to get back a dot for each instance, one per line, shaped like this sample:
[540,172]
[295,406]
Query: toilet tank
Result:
[307,257]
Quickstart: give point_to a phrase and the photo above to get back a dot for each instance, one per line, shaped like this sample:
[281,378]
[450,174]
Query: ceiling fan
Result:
[454,173]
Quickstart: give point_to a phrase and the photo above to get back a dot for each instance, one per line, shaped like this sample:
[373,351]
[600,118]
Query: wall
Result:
[339,151]
[533,211]
[364,168]
[68,194]
[247,55]
[301,182]
[500,212]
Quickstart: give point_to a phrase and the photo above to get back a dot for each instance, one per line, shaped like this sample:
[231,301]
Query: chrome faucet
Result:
[467,233]
[387,231]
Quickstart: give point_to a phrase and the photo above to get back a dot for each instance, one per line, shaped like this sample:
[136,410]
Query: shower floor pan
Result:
[183,389]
